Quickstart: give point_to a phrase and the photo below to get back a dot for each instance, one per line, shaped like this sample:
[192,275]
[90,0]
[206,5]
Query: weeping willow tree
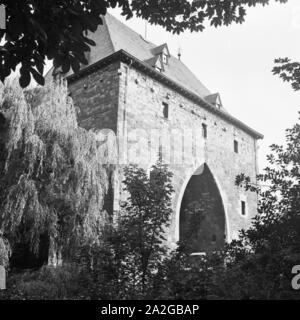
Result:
[52,177]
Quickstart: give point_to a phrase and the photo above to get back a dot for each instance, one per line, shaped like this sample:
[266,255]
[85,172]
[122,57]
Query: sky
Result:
[236,61]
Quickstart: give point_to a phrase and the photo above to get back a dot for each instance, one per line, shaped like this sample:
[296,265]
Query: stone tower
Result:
[151,104]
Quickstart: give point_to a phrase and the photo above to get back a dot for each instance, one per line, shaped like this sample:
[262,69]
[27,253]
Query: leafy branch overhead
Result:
[58,29]
[288,71]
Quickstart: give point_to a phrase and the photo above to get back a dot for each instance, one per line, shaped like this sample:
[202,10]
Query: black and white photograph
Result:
[149,151]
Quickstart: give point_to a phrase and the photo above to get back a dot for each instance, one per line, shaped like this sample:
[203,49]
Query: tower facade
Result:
[145,104]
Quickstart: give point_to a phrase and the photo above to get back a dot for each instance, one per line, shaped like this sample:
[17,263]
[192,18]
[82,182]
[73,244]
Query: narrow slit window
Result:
[204,130]
[165,110]
[243,208]
[236,146]
[160,151]
[165,58]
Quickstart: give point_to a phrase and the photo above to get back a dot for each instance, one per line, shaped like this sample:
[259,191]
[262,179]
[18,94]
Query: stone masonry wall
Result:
[140,116]
[130,103]
[96,96]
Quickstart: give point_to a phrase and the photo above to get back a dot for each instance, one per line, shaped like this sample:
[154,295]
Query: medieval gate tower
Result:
[155,107]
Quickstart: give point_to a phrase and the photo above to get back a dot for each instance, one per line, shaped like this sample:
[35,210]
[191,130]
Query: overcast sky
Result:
[236,61]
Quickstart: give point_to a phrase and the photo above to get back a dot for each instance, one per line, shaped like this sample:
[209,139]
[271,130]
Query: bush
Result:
[47,283]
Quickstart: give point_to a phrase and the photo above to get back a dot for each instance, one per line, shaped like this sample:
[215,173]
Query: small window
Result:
[236,146]
[165,58]
[160,151]
[165,110]
[204,130]
[243,208]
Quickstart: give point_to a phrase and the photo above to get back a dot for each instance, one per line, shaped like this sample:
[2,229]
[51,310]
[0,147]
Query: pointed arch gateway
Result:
[202,221]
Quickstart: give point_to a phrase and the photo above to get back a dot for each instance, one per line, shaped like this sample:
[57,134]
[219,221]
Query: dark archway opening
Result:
[202,216]
[24,258]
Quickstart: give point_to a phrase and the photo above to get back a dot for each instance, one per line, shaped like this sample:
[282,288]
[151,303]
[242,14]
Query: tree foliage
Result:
[57,29]
[288,71]
[47,283]
[135,245]
[52,177]
[259,264]
[144,220]
[4,251]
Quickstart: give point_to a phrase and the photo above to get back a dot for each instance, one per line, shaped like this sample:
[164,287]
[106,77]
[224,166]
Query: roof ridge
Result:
[111,16]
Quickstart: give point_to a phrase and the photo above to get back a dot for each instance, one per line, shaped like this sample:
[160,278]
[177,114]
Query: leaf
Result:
[89,41]
[65,65]
[24,78]
[39,63]
[37,77]
[75,65]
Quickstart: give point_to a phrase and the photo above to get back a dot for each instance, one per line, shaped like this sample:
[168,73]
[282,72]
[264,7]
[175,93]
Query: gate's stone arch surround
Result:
[177,201]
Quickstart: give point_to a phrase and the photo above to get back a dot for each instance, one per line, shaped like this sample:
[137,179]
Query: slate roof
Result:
[114,37]
[123,37]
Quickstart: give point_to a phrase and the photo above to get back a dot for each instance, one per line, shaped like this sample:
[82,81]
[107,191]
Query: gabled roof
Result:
[113,36]
[156,62]
[215,100]
[114,40]
[212,98]
[122,37]
[160,49]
